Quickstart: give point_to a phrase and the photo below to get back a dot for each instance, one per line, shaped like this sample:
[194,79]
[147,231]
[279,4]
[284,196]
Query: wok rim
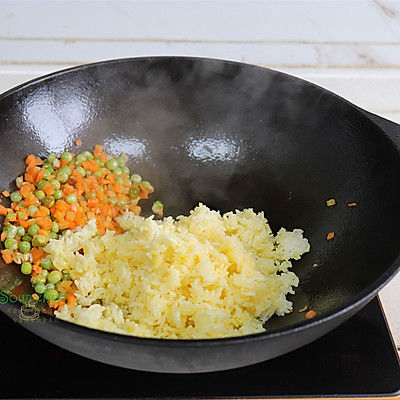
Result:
[362,298]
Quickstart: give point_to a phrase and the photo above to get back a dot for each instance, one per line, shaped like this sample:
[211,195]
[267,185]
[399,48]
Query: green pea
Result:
[55,227]
[50,294]
[62,177]
[48,201]
[53,235]
[81,198]
[100,163]
[33,229]
[20,231]
[87,155]
[58,194]
[119,180]
[40,288]
[47,173]
[121,161]
[66,156]
[55,183]
[125,170]
[81,170]
[133,193]
[54,277]
[135,178]
[157,207]
[10,244]
[50,285]
[27,238]
[62,296]
[32,210]
[39,240]
[112,201]
[40,195]
[88,173]
[16,196]
[97,174]
[117,171]
[26,268]
[65,276]
[46,263]
[147,185]
[24,247]
[38,278]
[56,163]
[71,198]
[51,157]
[44,273]
[111,164]
[65,170]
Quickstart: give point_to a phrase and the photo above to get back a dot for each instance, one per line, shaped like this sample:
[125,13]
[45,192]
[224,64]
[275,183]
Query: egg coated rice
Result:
[199,276]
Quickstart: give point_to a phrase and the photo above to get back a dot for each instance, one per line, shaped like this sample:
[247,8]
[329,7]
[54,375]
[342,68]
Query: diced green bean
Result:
[50,285]
[44,273]
[53,235]
[120,161]
[80,158]
[117,171]
[88,155]
[62,296]
[119,180]
[56,163]
[16,196]
[125,170]
[65,170]
[100,163]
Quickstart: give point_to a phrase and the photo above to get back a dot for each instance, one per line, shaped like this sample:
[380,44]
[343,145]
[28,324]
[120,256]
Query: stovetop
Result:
[356,359]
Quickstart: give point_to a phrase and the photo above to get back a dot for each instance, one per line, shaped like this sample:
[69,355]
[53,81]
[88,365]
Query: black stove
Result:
[357,359]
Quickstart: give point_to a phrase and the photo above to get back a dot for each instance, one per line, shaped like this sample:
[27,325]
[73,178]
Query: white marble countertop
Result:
[377,90]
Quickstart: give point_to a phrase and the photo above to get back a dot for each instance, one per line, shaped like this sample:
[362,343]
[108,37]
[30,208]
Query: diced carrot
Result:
[37,253]
[25,189]
[30,200]
[98,149]
[3,236]
[40,175]
[311,314]
[45,223]
[59,215]
[78,142]
[5,193]
[7,256]
[36,269]
[43,232]
[32,160]
[61,205]
[143,194]
[93,203]
[330,235]
[48,188]
[3,210]
[90,165]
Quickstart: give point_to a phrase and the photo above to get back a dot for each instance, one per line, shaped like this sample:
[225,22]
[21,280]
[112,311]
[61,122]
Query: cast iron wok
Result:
[231,136]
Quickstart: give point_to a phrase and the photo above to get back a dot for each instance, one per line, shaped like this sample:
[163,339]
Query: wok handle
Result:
[389,127]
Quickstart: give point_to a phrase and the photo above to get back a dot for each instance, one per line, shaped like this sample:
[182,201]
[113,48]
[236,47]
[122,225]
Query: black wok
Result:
[231,136]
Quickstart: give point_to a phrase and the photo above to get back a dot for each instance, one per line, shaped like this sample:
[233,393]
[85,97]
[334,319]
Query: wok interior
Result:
[230,136]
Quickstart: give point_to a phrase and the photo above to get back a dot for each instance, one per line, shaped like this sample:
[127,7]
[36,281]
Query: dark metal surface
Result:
[231,136]
[357,359]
